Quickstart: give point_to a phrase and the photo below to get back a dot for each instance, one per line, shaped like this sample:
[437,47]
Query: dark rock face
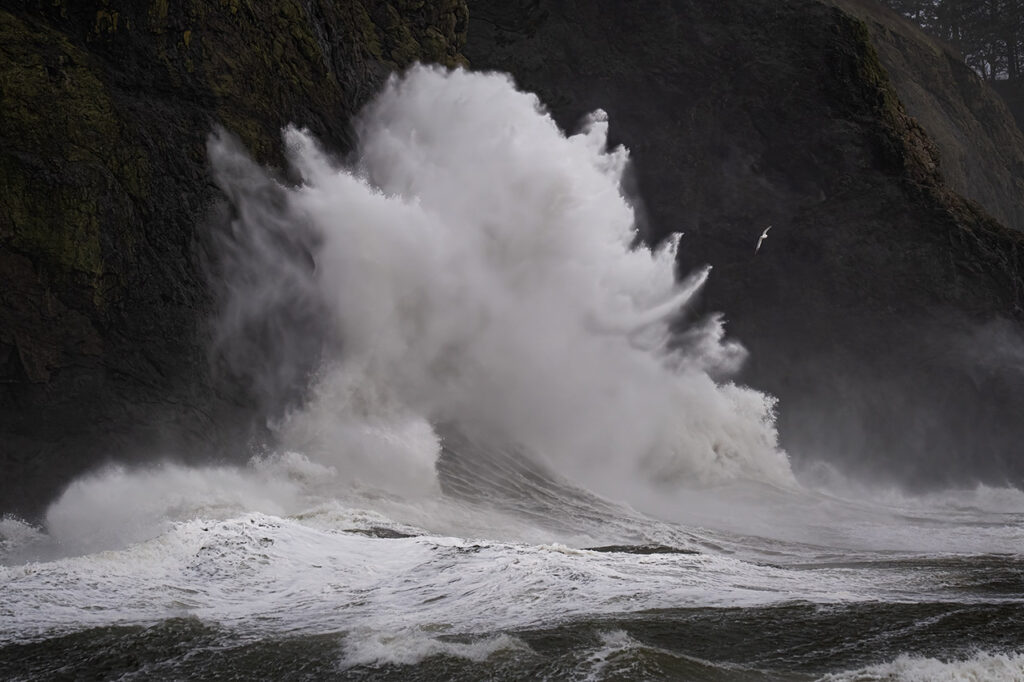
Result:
[981,148]
[1012,93]
[104,112]
[879,286]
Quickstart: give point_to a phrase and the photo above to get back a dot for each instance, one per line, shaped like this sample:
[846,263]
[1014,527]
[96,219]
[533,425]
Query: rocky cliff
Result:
[980,147]
[882,165]
[104,111]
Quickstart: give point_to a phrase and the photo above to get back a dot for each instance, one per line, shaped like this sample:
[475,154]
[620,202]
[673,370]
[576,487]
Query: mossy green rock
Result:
[105,106]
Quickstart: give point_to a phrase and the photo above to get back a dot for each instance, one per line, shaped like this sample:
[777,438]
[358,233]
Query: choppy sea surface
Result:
[525,577]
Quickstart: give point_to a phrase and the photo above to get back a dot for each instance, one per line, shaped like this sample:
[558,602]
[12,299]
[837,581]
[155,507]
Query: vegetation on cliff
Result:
[990,35]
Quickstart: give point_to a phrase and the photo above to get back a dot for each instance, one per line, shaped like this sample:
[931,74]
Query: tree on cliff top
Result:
[989,33]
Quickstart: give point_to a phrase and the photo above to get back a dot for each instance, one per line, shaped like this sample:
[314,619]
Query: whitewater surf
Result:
[516,453]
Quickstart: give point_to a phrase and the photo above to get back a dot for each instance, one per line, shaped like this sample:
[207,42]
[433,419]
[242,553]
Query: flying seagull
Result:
[764,235]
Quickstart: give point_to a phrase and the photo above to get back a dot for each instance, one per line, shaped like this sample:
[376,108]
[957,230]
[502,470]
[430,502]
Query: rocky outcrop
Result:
[104,111]
[882,281]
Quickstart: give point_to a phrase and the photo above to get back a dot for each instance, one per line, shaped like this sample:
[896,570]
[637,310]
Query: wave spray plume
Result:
[476,270]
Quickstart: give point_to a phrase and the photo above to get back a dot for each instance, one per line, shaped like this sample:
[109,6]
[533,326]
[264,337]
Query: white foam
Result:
[982,667]
[18,538]
[412,647]
[257,573]
[116,506]
[620,656]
